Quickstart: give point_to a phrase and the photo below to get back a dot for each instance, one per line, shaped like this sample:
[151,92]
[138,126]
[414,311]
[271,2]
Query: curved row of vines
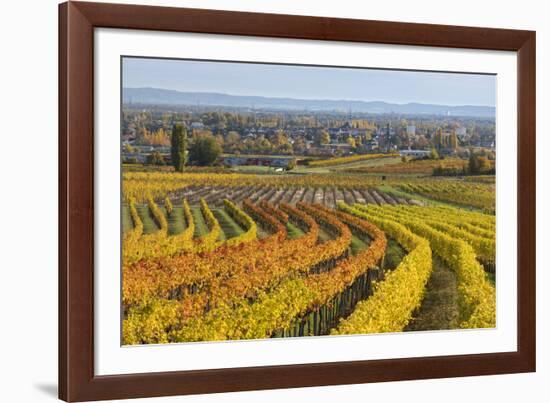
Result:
[199,284]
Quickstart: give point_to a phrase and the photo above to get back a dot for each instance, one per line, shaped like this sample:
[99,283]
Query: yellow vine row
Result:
[395,299]
[484,248]
[477,297]
[244,220]
[138,247]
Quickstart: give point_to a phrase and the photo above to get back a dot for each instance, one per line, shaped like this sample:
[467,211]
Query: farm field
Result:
[413,167]
[268,200]
[229,256]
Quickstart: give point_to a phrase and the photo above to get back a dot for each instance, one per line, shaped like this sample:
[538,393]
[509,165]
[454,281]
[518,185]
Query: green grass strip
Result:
[201,228]
[230,228]
[176,220]
[357,244]
[324,235]
[127,224]
[293,230]
[149,224]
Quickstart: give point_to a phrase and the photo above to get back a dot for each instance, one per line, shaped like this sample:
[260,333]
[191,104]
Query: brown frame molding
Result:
[77,21]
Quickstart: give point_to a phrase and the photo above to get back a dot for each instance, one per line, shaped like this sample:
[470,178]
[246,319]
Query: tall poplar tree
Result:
[179,146]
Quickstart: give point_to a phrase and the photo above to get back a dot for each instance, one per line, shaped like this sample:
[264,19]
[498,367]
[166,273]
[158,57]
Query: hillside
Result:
[157,96]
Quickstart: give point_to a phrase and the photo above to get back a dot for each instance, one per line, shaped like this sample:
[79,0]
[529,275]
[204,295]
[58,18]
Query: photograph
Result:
[265,200]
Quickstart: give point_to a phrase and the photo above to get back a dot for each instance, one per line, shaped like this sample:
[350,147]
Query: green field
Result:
[176,220]
[149,224]
[357,244]
[201,228]
[375,162]
[229,227]
[294,231]
[126,219]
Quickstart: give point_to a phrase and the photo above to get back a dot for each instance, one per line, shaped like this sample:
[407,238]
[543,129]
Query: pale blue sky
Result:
[307,82]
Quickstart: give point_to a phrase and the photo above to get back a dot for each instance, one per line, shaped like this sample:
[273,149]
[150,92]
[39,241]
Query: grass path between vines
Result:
[149,224]
[200,225]
[229,227]
[439,309]
[293,230]
[357,244]
[176,220]
[127,223]
[324,235]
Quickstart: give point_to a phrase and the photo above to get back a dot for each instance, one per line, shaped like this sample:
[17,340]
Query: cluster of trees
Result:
[447,141]
[278,142]
[479,163]
[202,150]
[158,137]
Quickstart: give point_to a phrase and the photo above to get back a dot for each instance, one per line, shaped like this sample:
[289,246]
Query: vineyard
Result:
[350,159]
[229,256]
[415,166]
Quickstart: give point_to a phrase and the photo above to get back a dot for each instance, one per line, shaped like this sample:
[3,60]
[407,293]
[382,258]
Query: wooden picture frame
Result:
[77,21]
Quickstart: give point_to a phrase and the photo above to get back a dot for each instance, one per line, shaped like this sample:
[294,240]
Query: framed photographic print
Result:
[254,201]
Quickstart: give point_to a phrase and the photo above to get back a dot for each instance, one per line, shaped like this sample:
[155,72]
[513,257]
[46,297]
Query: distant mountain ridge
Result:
[157,96]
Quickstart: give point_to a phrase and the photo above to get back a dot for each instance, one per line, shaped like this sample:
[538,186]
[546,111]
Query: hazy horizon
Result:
[305,99]
[310,82]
